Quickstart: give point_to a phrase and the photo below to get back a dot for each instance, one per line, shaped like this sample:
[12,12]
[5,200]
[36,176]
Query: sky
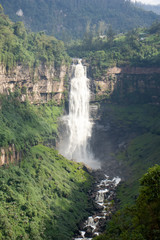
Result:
[152,2]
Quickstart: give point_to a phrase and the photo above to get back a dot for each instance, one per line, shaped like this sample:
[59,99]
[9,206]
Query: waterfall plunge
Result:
[78,124]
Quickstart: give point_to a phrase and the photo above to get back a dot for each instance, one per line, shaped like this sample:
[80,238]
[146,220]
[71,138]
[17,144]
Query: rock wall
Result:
[9,155]
[130,83]
[110,136]
[39,84]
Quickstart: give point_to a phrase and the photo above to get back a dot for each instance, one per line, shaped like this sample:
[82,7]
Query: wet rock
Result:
[89,232]
[97,207]
[96,219]
[87,168]
[102,222]
[77,234]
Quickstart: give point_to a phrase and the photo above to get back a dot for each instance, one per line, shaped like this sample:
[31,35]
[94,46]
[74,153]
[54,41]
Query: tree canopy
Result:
[67,19]
[20,46]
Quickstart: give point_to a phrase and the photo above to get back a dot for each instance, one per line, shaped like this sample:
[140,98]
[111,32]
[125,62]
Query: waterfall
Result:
[78,124]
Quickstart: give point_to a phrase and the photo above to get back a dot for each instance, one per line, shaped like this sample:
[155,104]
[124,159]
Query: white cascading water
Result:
[78,122]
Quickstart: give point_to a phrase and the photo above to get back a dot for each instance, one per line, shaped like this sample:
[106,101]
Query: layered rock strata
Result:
[39,85]
[129,82]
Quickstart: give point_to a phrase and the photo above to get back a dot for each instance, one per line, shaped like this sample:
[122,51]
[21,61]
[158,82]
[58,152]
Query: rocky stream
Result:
[103,196]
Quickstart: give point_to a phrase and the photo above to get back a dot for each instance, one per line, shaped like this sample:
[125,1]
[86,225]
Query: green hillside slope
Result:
[44,195]
[68,19]
[18,46]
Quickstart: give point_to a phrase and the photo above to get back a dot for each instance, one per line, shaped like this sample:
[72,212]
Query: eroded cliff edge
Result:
[39,84]
[129,84]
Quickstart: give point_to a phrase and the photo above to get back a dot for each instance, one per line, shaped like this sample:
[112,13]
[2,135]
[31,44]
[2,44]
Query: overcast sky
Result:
[152,2]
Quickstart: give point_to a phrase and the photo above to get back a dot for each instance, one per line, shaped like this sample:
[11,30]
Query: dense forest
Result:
[18,46]
[138,47]
[69,19]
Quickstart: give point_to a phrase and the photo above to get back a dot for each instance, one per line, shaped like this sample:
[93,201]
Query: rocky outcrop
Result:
[133,70]
[130,83]
[39,84]
[9,155]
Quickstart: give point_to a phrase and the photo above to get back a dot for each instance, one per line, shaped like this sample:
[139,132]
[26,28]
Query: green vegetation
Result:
[45,196]
[138,124]
[42,198]
[17,46]
[25,125]
[141,221]
[142,151]
[67,19]
[139,47]
[144,118]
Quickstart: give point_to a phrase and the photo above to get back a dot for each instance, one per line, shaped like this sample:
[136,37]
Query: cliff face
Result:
[39,85]
[120,118]
[132,84]
[9,155]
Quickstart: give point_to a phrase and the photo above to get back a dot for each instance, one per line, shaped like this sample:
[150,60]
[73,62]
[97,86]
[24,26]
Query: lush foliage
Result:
[42,198]
[45,196]
[67,19]
[25,125]
[141,221]
[139,47]
[17,46]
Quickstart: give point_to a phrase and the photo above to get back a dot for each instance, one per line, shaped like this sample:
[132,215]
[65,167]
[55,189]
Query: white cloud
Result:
[19,13]
[151,2]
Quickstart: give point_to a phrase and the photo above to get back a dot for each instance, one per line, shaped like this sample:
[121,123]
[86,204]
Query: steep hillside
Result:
[141,221]
[43,197]
[149,7]
[42,194]
[23,125]
[18,46]
[68,19]
[35,63]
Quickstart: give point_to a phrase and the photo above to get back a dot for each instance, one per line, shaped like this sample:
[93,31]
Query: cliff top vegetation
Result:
[20,46]
[138,47]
